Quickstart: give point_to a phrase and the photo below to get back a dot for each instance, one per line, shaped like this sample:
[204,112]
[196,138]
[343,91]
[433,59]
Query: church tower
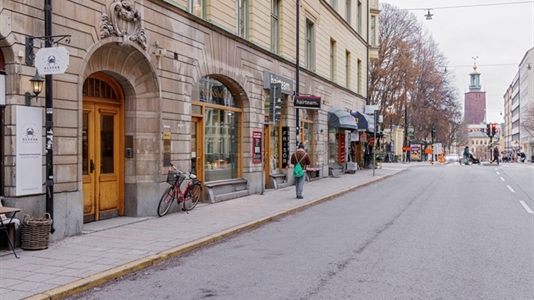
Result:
[475,99]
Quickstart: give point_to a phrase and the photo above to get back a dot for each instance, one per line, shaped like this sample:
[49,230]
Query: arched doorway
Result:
[102,138]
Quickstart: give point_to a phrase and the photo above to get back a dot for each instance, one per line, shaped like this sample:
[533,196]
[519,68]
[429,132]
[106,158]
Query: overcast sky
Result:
[499,32]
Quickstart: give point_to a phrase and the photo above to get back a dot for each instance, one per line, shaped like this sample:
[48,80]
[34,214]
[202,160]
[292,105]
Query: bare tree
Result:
[410,76]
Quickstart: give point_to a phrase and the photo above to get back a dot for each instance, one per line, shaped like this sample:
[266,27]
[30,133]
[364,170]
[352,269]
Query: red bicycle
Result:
[189,197]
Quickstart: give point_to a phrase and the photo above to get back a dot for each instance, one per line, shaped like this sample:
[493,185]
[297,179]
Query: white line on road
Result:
[502,179]
[526,207]
[511,189]
[498,173]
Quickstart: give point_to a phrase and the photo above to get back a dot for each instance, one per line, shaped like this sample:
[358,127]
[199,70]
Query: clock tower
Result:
[475,99]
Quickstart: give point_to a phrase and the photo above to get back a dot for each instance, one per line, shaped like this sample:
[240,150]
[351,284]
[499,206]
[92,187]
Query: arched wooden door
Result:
[102,158]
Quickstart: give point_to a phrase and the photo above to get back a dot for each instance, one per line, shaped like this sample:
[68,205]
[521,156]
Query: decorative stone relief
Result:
[123,21]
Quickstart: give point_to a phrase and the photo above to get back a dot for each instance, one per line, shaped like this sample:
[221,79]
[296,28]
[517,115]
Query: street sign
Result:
[53,60]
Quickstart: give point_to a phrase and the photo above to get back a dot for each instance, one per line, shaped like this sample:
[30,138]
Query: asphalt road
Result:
[431,232]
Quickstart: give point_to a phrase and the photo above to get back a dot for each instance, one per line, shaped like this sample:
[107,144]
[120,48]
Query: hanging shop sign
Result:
[29,165]
[307,102]
[286,83]
[256,147]
[285,147]
[53,60]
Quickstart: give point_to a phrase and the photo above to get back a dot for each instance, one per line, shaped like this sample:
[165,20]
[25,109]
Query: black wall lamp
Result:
[37,87]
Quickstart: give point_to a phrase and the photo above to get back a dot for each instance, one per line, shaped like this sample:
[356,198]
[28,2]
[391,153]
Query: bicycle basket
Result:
[172,177]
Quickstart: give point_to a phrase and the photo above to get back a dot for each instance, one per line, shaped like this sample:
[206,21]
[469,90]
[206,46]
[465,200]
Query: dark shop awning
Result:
[365,122]
[338,118]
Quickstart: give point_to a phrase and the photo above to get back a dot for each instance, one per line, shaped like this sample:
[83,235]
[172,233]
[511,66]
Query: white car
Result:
[452,158]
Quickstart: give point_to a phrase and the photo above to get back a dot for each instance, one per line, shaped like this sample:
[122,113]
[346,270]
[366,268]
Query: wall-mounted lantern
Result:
[37,87]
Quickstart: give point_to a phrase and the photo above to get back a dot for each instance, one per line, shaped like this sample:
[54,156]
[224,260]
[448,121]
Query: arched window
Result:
[221,114]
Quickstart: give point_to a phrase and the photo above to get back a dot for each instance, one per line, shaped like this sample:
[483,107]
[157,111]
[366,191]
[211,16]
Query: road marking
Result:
[526,207]
[502,179]
[496,170]
[511,189]
[498,173]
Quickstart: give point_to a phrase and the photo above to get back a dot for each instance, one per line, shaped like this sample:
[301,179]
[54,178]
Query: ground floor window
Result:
[220,112]
[221,127]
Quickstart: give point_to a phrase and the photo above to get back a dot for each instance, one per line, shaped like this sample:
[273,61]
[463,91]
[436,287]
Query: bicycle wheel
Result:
[192,196]
[165,201]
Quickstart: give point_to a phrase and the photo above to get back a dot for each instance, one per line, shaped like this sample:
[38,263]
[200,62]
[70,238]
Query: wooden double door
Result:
[102,158]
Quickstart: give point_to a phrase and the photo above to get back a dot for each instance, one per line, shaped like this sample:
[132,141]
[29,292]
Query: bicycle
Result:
[189,196]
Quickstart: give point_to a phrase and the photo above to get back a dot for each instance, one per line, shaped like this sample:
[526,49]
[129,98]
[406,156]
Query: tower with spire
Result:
[475,98]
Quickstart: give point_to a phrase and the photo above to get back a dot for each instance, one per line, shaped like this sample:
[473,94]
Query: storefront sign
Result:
[415,152]
[166,145]
[307,102]
[285,147]
[256,147]
[29,165]
[286,83]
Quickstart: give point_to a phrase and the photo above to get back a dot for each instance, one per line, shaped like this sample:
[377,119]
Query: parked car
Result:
[452,158]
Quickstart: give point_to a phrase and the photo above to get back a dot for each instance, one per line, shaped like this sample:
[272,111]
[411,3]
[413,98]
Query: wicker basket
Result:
[172,177]
[35,232]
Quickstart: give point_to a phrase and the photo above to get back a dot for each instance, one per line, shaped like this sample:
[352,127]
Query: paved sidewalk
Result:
[113,248]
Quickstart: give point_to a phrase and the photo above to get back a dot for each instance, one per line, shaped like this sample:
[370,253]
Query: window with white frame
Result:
[373,31]
[359,18]
[347,69]
[332,60]
[275,25]
[310,44]
[348,10]
[242,18]
[333,3]
[196,7]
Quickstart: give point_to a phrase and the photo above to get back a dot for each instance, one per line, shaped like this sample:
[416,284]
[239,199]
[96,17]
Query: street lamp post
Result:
[390,154]
[297,129]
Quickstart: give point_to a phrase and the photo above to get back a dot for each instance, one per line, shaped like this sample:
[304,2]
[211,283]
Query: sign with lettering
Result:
[307,102]
[286,83]
[53,60]
[285,146]
[256,147]
[29,146]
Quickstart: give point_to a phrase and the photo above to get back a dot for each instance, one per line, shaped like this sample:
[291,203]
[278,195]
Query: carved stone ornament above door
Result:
[123,21]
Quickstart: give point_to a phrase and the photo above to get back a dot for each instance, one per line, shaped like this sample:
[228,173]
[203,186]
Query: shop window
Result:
[221,144]
[215,103]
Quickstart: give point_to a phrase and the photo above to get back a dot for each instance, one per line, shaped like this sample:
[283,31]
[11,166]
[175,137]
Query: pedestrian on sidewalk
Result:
[303,158]
[496,154]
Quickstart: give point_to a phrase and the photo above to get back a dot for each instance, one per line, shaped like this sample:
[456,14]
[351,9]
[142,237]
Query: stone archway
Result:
[132,69]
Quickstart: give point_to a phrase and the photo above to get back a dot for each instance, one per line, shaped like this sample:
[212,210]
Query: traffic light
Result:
[276,102]
[488,130]
[493,129]
[433,132]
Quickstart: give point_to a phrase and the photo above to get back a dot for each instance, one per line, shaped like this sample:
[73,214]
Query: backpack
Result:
[298,171]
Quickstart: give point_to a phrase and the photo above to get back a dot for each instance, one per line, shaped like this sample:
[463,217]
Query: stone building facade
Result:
[185,82]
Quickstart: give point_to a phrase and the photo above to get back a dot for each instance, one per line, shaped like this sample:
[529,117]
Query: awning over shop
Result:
[338,118]
[365,122]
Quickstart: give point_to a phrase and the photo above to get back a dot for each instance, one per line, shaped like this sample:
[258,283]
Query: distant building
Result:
[517,100]
[475,100]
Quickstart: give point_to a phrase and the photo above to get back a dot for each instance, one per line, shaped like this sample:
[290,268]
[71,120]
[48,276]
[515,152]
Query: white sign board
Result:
[370,109]
[53,60]
[29,164]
